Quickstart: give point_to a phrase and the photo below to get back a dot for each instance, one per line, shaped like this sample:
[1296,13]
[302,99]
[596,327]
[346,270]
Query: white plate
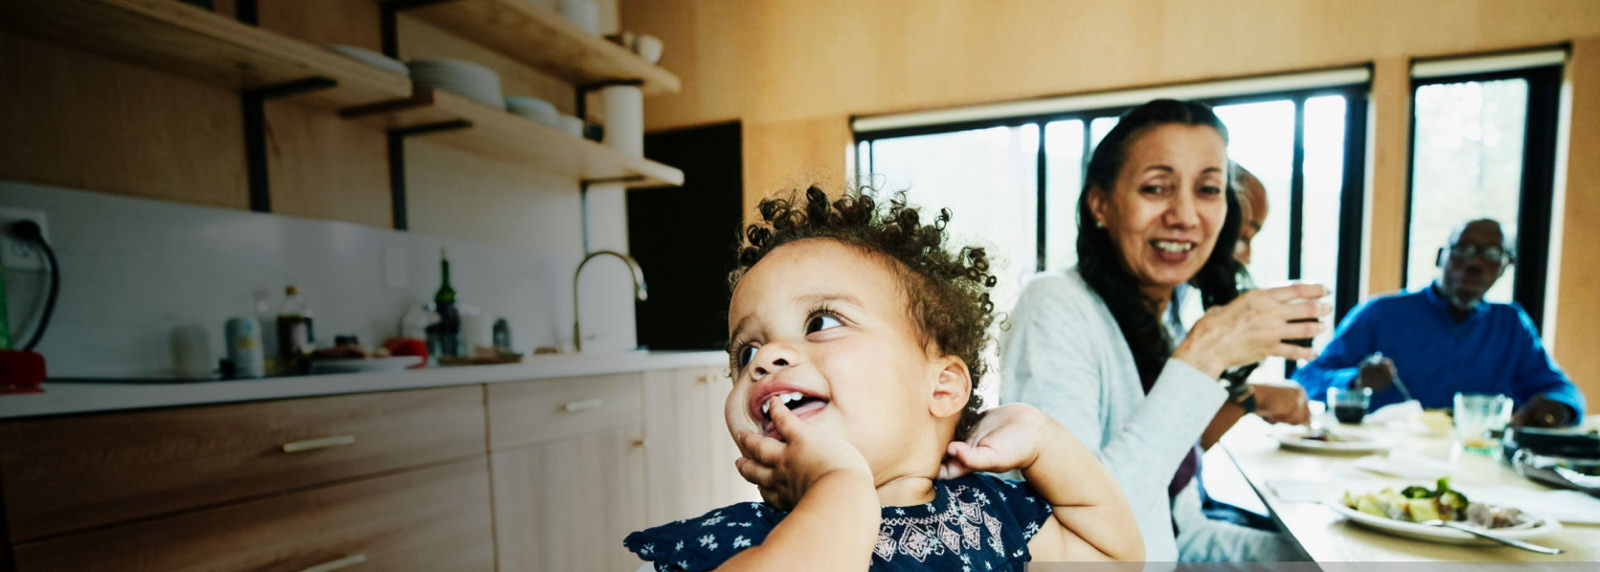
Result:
[1354,442]
[396,363]
[1405,466]
[371,58]
[1536,527]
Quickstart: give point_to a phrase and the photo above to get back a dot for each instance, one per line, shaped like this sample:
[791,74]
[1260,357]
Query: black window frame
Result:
[1352,191]
[1536,198]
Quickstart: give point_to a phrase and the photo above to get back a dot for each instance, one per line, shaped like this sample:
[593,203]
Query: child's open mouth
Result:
[802,405]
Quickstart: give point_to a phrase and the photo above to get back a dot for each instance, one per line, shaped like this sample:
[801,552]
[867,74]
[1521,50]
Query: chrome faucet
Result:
[638,288]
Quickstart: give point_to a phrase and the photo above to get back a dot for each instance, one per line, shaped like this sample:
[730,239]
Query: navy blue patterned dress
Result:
[976,522]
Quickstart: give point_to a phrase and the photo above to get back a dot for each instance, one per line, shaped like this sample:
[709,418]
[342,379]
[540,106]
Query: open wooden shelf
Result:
[512,138]
[174,37]
[542,38]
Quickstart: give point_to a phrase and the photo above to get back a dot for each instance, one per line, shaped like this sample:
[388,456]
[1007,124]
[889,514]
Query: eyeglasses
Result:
[1493,254]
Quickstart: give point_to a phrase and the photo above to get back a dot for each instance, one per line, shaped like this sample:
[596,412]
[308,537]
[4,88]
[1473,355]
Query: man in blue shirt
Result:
[1444,338]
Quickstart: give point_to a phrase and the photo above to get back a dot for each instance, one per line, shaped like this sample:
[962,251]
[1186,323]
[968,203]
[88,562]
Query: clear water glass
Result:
[1479,420]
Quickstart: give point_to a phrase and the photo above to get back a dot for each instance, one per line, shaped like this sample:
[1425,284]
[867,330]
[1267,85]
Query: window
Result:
[1483,147]
[1304,144]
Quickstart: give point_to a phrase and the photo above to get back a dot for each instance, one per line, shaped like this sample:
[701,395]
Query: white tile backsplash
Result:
[133,270]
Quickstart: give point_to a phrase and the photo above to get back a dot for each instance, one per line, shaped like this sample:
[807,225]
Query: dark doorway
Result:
[685,237]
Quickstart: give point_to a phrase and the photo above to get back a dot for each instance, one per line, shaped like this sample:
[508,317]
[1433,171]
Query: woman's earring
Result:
[1099,224]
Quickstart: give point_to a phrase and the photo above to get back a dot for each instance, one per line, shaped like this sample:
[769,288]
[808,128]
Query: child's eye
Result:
[745,355]
[821,322]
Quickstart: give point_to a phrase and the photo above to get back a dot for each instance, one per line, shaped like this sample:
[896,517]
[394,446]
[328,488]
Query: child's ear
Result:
[951,387]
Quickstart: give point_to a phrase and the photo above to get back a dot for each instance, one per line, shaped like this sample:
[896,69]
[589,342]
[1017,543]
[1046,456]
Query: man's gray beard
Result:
[1459,304]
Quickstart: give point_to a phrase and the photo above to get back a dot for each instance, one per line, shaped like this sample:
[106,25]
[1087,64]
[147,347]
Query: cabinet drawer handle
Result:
[707,378]
[341,563]
[582,405]
[319,443]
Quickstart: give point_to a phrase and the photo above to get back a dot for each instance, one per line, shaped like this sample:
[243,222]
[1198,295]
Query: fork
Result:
[1529,546]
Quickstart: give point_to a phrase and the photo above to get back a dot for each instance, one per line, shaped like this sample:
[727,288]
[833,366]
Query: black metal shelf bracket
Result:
[253,104]
[397,163]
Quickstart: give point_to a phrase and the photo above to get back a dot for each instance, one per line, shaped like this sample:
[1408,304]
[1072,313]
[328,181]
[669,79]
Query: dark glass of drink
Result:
[1349,405]
[1349,412]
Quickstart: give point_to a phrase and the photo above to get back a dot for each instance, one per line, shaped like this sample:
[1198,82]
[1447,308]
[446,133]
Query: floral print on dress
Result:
[964,528]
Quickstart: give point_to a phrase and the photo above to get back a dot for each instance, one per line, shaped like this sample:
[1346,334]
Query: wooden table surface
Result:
[1328,537]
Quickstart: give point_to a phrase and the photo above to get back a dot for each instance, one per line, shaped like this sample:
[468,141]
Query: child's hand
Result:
[1006,438]
[784,470]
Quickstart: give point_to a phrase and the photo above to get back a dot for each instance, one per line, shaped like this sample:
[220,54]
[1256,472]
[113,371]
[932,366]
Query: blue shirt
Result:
[975,522]
[1494,350]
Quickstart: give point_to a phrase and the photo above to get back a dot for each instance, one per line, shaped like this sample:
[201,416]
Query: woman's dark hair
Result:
[947,292]
[1100,261]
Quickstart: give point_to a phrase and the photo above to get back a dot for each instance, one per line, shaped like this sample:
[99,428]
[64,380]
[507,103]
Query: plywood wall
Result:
[87,122]
[791,69]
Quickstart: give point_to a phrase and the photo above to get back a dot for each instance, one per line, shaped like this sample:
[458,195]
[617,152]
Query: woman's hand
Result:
[784,470]
[1254,326]
[1005,438]
[1281,403]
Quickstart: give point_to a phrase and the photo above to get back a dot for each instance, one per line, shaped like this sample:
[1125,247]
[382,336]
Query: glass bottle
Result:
[294,332]
[448,330]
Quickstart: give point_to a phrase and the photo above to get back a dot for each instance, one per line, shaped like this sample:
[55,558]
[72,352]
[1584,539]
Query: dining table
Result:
[1297,485]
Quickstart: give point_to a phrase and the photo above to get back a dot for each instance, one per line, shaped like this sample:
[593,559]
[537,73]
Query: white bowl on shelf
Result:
[535,109]
[572,125]
[370,58]
[461,77]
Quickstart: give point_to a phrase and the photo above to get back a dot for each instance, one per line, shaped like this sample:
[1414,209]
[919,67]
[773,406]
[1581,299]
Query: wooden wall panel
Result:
[1389,163]
[792,59]
[78,120]
[318,165]
[785,156]
[1576,308]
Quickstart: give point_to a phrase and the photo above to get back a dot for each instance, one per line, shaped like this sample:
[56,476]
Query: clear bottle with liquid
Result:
[294,332]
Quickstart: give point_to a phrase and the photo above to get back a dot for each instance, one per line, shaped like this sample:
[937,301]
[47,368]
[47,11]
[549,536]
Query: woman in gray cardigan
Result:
[1089,348]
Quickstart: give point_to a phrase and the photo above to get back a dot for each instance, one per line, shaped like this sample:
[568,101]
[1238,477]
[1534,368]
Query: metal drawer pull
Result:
[582,405]
[319,443]
[332,565]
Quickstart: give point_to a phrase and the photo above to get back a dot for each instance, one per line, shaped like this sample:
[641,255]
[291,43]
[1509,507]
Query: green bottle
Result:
[446,293]
[448,329]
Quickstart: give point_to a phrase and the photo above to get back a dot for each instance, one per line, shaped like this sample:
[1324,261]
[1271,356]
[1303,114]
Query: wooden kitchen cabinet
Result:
[689,453]
[62,474]
[568,466]
[640,449]
[433,518]
[567,504]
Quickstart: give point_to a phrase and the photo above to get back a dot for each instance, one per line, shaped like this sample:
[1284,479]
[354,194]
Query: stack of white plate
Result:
[462,77]
[371,58]
[534,108]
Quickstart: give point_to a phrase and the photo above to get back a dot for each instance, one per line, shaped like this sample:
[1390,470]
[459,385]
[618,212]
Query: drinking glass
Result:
[1479,420]
[1349,405]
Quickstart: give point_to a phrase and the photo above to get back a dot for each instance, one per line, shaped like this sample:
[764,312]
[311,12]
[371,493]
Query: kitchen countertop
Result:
[61,398]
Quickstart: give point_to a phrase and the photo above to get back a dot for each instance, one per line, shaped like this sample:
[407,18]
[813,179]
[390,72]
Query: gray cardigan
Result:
[1064,354]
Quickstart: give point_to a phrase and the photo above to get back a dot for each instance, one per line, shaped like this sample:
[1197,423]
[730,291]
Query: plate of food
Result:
[1403,513]
[1339,441]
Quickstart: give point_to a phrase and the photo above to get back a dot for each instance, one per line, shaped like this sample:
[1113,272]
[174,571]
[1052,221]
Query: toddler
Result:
[856,341]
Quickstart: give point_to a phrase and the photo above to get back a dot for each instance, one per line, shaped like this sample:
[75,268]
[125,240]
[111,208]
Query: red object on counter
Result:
[21,372]
[408,347]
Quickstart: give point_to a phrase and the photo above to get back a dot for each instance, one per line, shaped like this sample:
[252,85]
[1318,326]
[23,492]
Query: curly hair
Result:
[947,292]
[1101,263]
